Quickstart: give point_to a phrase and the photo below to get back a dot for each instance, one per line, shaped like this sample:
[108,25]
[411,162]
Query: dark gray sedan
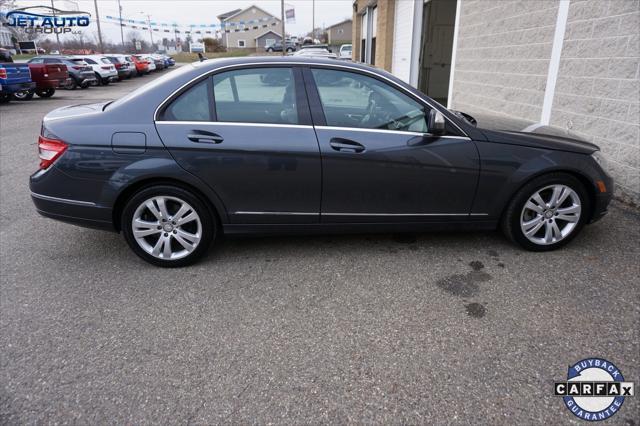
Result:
[293,145]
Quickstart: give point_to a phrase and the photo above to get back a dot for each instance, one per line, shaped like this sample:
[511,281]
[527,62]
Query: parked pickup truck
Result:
[48,76]
[14,78]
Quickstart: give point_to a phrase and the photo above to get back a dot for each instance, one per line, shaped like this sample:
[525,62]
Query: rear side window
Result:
[192,105]
[52,61]
[256,95]
[89,61]
[36,61]
[105,61]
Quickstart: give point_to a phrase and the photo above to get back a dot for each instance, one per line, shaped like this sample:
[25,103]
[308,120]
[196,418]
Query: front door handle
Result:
[204,137]
[346,145]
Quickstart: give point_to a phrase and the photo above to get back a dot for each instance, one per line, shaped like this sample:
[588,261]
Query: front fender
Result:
[506,168]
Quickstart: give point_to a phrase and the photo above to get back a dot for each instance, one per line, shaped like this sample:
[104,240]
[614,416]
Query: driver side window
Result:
[355,100]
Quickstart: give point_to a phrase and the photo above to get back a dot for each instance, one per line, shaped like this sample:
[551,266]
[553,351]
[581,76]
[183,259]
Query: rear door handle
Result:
[205,137]
[346,145]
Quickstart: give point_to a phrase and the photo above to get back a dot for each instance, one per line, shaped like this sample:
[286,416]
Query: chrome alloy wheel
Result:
[550,214]
[166,227]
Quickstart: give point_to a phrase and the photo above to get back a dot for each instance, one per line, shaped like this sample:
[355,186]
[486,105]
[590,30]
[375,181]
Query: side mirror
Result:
[436,125]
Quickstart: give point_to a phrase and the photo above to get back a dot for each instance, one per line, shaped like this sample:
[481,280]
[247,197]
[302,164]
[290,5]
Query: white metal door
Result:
[402,39]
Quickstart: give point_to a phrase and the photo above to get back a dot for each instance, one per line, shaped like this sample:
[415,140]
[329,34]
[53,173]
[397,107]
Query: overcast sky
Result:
[185,12]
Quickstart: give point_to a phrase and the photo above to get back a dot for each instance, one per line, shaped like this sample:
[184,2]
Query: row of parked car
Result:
[42,75]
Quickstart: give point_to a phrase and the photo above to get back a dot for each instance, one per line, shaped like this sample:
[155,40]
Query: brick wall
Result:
[504,49]
[598,88]
[503,55]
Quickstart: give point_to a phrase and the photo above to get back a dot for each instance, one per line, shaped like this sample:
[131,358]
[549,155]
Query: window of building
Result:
[241,43]
[355,100]
[256,95]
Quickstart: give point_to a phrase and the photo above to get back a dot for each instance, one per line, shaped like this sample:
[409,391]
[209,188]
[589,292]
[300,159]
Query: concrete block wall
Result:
[503,56]
[598,89]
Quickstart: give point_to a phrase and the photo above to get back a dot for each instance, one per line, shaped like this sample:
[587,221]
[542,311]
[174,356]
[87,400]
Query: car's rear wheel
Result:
[168,226]
[547,213]
[23,96]
[46,93]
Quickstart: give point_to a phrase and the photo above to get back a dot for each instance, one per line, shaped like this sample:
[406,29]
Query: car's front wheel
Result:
[547,213]
[168,226]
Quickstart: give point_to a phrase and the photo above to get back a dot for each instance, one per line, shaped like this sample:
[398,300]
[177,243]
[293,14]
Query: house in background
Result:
[573,64]
[339,33]
[266,39]
[244,34]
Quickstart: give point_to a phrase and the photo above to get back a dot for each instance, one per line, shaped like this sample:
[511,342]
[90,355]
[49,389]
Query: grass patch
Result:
[193,57]
[24,56]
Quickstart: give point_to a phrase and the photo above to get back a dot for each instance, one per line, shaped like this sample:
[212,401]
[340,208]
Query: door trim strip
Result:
[356,214]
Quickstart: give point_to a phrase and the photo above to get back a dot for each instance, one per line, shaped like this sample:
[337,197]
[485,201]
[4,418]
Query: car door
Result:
[379,161]
[247,133]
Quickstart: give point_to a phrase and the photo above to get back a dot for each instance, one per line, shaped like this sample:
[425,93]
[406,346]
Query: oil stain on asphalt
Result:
[466,286]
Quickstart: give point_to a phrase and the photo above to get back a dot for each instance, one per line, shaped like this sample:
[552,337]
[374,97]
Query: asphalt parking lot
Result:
[460,328]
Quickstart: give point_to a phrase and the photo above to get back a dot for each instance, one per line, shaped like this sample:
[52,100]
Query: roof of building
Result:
[225,15]
[228,15]
[339,23]
[267,32]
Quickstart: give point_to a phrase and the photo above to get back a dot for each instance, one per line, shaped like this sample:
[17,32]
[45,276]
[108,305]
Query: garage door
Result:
[402,38]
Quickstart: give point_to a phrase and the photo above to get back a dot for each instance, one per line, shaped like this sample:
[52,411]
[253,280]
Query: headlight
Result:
[601,160]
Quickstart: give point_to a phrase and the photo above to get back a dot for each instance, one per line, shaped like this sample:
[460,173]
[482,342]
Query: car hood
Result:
[75,111]
[501,129]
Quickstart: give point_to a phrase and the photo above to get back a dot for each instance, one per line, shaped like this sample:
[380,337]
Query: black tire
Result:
[289,49]
[510,222]
[72,84]
[46,93]
[270,50]
[5,98]
[23,96]
[85,85]
[208,222]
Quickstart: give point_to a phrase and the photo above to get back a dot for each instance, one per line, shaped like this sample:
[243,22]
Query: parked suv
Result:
[104,70]
[122,66]
[80,73]
[277,47]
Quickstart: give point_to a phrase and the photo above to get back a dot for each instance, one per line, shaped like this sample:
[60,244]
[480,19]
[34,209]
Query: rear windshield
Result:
[78,61]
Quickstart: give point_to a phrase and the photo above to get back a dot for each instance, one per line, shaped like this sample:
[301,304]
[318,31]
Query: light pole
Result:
[150,30]
[284,44]
[121,30]
[95,3]
[53,11]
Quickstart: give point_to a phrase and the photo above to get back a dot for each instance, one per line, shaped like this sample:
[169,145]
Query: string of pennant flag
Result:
[195,28]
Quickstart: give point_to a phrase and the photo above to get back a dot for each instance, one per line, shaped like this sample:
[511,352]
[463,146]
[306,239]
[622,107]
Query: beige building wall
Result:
[502,67]
[503,55]
[247,33]
[598,89]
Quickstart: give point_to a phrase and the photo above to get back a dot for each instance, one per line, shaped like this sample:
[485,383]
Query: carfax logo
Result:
[47,20]
[595,389]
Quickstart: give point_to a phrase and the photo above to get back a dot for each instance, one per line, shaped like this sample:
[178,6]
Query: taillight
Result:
[77,67]
[49,150]
[3,73]
[106,67]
